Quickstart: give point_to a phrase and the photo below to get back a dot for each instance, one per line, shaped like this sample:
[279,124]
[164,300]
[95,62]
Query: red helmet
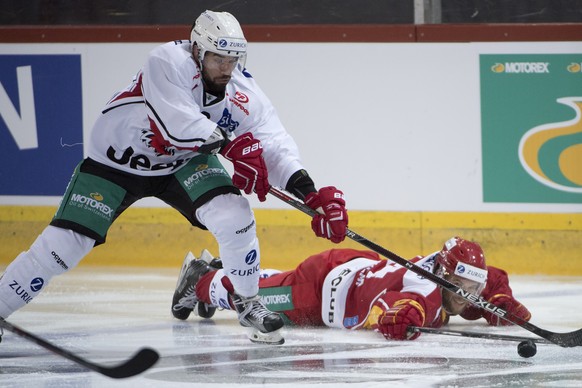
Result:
[463,258]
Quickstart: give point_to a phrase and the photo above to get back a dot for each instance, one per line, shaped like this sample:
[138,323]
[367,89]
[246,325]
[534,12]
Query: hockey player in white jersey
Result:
[160,137]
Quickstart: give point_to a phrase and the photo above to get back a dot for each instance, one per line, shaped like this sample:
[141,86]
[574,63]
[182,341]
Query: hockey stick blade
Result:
[472,334]
[565,340]
[141,361]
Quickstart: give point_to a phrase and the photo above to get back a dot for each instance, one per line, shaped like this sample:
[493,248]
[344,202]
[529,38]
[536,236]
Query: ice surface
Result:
[105,315]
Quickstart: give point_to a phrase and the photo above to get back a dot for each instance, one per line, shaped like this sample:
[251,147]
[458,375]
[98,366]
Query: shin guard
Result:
[230,219]
[54,252]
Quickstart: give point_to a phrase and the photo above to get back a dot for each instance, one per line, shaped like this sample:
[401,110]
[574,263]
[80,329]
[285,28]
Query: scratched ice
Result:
[105,315]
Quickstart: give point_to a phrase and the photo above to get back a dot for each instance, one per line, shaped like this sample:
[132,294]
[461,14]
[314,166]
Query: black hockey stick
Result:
[492,336]
[137,364]
[565,340]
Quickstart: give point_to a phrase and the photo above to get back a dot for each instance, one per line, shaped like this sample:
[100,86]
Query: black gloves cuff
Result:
[300,184]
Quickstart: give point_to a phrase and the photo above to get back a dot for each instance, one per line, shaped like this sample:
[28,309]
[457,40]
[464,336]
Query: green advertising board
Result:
[531,127]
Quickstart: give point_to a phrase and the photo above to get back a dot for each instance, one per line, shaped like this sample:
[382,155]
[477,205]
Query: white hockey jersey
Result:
[167,99]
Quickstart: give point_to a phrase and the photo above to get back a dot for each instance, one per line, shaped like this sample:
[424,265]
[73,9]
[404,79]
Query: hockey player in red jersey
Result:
[160,137]
[353,289]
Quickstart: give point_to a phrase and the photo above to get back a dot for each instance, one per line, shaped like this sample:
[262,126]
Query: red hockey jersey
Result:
[350,289]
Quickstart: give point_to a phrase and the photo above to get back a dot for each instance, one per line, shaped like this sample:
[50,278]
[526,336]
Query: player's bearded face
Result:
[217,71]
[455,304]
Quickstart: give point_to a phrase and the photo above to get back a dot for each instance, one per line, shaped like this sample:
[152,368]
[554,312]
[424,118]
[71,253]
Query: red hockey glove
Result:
[250,171]
[394,322]
[509,304]
[333,222]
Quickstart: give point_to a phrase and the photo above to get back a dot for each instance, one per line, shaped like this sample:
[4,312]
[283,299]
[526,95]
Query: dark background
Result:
[136,12]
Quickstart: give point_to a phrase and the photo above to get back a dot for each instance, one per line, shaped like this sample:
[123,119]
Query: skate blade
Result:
[189,257]
[272,338]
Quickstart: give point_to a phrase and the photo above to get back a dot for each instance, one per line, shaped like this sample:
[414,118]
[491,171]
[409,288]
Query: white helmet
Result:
[220,33]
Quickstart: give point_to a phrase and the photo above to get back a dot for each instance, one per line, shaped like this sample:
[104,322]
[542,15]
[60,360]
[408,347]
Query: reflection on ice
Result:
[107,318]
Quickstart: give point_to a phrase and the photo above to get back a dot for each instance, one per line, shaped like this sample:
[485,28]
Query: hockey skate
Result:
[264,323]
[185,300]
[206,310]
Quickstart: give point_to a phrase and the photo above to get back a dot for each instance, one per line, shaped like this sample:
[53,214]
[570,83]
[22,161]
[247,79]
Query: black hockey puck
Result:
[527,349]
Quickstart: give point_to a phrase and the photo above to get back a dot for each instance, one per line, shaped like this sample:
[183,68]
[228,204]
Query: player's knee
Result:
[58,250]
[54,252]
[229,217]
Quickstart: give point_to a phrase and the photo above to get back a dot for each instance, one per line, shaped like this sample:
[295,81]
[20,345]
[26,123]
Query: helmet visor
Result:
[219,62]
[453,303]
[475,288]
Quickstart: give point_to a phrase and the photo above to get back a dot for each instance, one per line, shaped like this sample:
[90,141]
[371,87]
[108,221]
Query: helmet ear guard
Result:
[219,33]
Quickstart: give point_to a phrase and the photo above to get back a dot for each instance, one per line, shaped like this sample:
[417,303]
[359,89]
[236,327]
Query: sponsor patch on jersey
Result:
[350,321]
[226,122]
[201,175]
[93,205]
[241,97]
[277,298]
[238,102]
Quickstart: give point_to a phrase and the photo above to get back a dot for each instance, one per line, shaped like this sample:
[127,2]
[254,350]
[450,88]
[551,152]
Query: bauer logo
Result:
[531,108]
[41,122]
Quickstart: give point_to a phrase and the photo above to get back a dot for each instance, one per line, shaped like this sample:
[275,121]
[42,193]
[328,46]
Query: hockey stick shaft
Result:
[492,336]
[137,364]
[570,339]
